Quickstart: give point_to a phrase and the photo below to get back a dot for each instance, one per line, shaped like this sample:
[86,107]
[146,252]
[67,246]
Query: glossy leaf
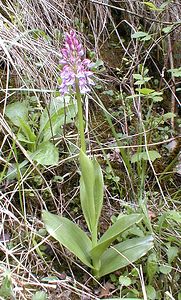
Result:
[145,91]
[156,96]
[175,72]
[124,253]
[17,111]
[143,36]
[46,154]
[22,138]
[16,168]
[125,281]
[151,293]
[122,224]
[98,190]
[84,199]
[69,235]
[139,34]
[172,253]
[6,289]
[174,215]
[153,155]
[167,116]
[152,267]
[167,29]
[167,216]
[27,131]
[91,190]
[87,190]
[165,269]
[152,6]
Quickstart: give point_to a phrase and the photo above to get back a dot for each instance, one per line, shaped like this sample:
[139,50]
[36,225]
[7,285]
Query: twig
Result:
[132,13]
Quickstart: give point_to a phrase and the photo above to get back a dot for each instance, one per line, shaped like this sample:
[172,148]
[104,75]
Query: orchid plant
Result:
[93,252]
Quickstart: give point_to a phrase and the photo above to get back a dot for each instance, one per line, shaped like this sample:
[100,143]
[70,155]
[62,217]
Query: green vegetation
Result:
[90,182]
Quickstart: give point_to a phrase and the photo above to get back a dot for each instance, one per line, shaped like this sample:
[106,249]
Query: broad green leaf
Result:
[140,79]
[171,214]
[151,267]
[146,38]
[6,289]
[167,29]
[139,34]
[87,181]
[17,111]
[164,118]
[167,116]
[165,269]
[108,92]
[152,6]
[138,76]
[16,168]
[99,63]
[133,231]
[91,190]
[84,198]
[36,33]
[98,190]
[165,4]
[27,131]
[69,235]
[172,253]
[61,111]
[153,155]
[125,280]
[122,224]
[124,253]
[174,215]
[156,96]
[151,293]
[46,154]
[23,139]
[175,72]
[145,91]
[140,82]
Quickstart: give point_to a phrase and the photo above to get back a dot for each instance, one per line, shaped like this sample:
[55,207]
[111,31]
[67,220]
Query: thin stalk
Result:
[142,168]
[95,262]
[94,236]
[80,116]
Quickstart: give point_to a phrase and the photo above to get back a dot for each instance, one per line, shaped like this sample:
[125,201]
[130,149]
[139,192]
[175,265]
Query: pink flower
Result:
[75,66]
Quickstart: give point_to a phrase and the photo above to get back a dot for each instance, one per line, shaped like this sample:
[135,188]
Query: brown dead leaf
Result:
[106,290]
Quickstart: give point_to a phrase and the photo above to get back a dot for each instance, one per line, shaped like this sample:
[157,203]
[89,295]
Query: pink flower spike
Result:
[75,65]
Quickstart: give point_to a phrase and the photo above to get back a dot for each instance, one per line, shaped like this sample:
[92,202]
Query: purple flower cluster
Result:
[75,66]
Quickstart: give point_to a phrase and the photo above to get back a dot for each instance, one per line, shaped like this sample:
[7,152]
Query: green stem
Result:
[80,116]
[96,262]
[94,236]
